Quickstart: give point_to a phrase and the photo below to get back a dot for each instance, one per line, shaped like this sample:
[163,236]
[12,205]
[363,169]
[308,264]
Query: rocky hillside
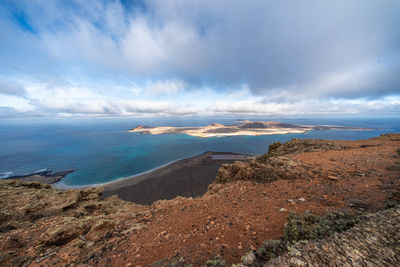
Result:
[38,222]
[295,183]
[279,162]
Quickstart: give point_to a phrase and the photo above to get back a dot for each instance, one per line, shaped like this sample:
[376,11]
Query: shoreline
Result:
[60,186]
[188,177]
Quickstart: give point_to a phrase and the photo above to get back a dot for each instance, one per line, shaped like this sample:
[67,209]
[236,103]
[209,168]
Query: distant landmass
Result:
[243,127]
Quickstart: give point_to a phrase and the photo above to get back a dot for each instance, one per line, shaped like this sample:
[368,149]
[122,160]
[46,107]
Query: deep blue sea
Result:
[101,150]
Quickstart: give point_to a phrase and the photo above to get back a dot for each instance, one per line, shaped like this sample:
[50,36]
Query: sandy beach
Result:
[188,177]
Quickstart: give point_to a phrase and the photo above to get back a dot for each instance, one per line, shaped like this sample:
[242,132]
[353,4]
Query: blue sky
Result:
[199,58]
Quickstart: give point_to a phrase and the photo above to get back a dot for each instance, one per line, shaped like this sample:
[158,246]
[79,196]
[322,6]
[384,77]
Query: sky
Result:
[122,58]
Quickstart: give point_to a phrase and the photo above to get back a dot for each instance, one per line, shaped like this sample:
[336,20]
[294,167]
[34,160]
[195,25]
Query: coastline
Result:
[61,186]
[188,177]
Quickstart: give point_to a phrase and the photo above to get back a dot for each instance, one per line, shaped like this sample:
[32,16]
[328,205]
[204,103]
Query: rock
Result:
[100,230]
[249,258]
[291,201]
[333,178]
[215,187]
[21,261]
[4,257]
[13,243]
[6,228]
[69,229]
[282,210]
[358,204]
[302,199]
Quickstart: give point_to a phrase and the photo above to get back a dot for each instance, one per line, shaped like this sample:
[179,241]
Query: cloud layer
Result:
[199,57]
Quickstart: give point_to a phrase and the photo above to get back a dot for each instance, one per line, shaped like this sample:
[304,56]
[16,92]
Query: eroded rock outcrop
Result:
[278,163]
[38,222]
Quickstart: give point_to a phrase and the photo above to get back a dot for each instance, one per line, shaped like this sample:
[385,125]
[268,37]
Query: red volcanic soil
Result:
[241,215]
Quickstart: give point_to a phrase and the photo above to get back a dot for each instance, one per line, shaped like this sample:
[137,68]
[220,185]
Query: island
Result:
[242,127]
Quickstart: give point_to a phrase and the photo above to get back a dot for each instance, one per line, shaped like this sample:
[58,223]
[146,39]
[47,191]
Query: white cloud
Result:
[183,57]
[165,87]
[388,105]
[16,102]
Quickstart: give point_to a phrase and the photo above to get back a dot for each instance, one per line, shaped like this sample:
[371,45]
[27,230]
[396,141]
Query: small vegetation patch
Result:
[300,228]
[310,226]
[181,262]
[265,175]
[218,261]
[390,204]
[270,249]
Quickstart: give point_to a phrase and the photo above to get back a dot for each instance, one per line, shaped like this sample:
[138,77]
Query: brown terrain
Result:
[249,203]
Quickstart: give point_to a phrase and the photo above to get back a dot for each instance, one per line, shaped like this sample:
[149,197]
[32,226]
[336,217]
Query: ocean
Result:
[101,150]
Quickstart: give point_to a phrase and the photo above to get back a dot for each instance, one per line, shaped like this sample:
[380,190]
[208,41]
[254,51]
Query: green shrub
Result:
[181,262]
[218,261]
[299,227]
[390,204]
[266,175]
[310,226]
[270,249]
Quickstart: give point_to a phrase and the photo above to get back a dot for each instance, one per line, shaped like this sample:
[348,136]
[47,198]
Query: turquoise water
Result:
[102,150]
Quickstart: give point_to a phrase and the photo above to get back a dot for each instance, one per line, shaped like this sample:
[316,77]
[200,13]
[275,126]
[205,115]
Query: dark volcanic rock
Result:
[47,177]
[253,125]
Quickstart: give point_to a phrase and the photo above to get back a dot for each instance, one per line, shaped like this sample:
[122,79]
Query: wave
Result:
[5,175]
